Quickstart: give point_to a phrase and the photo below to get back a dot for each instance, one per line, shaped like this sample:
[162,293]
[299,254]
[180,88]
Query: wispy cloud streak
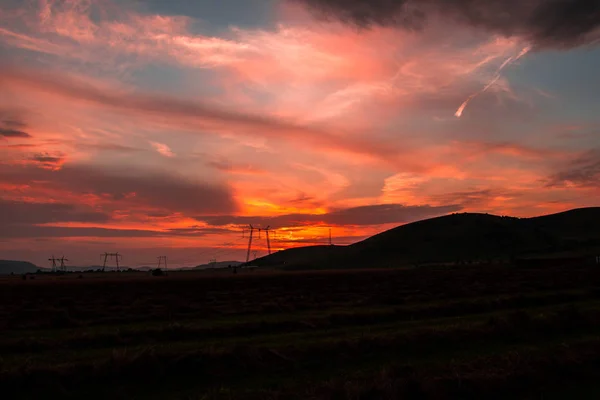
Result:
[506,63]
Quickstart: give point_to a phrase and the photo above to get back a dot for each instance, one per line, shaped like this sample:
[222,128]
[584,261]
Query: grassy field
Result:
[471,332]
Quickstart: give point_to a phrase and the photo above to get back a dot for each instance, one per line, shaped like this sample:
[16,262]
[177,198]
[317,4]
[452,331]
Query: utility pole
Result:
[330,243]
[63,267]
[54,260]
[249,243]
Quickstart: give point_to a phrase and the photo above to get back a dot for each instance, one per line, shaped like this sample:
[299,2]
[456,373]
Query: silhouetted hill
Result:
[301,257]
[218,264]
[455,238]
[17,267]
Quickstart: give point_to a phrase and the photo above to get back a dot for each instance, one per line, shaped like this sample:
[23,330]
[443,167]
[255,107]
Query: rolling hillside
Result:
[218,264]
[455,238]
[17,267]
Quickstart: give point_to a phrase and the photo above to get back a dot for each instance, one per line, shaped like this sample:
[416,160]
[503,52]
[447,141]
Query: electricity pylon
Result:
[252,229]
[54,260]
[116,256]
[63,267]
[268,239]
[160,260]
[249,243]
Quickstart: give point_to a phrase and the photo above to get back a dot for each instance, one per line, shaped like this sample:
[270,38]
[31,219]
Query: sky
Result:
[166,127]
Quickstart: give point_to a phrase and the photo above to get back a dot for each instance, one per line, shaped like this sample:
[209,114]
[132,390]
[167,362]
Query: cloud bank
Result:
[363,215]
[558,23]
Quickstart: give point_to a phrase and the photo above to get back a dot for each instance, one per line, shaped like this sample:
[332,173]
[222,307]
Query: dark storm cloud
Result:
[197,231]
[337,240]
[12,133]
[34,231]
[227,166]
[472,198]
[546,23]
[19,212]
[22,219]
[12,125]
[48,160]
[364,215]
[134,188]
[20,146]
[583,172]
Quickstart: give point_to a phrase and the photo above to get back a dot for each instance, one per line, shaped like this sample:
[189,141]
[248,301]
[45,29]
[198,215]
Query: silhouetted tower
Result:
[268,239]
[53,260]
[249,243]
[104,263]
[116,256]
[63,267]
[160,261]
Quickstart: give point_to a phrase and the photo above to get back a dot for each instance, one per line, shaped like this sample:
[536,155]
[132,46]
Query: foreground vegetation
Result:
[469,332]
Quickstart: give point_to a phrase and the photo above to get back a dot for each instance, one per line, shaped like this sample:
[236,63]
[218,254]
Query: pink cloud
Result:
[289,65]
[188,112]
[162,149]
[305,117]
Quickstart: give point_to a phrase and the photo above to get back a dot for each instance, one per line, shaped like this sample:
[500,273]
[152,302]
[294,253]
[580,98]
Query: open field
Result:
[472,332]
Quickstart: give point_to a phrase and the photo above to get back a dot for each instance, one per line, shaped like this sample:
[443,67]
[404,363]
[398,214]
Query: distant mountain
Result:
[218,264]
[75,268]
[455,238]
[17,267]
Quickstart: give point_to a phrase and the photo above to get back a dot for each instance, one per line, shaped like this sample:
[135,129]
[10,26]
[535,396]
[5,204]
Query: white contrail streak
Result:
[506,62]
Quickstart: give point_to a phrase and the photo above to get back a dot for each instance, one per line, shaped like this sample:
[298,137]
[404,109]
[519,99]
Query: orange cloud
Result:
[301,119]
[162,149]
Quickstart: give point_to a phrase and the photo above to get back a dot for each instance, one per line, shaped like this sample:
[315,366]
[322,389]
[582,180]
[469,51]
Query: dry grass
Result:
[467,333]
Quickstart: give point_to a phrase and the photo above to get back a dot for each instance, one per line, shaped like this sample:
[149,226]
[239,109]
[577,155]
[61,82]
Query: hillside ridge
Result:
[455,238]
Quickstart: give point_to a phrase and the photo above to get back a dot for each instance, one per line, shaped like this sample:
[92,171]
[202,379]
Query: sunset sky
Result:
[165,127]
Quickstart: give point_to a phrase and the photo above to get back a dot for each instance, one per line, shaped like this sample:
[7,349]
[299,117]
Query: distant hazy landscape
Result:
[8,267]
[452,239]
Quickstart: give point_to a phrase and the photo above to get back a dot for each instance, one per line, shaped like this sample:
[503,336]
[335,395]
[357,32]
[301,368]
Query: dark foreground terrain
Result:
[471,332]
